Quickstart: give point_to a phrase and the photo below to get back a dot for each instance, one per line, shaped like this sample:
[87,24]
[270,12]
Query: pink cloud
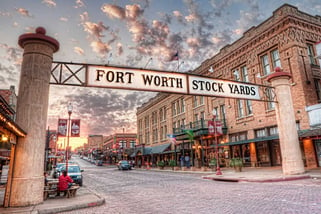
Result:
[23,12]
[50,3]
[113,11]
[79,51]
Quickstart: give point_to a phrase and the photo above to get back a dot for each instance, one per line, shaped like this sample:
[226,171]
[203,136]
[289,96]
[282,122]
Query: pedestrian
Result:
[182,161]
[65,182]
[187,161]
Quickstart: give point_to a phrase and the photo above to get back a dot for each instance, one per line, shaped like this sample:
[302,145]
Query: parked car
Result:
[99,162]
[75,173]
[124,164]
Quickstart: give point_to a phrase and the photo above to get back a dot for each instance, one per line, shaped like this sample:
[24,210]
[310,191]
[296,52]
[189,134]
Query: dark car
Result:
[75,173]
[99,162]
[124,164]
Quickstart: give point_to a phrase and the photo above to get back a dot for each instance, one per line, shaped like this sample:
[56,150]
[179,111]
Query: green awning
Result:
[160,149]
[258,139]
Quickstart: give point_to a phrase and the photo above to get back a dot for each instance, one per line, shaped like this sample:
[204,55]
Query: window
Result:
[182,105]
[238,136]
[273,130]
[132,144]
[266,65]
[223,113]
[201,100]
[173,109]
[276,59]
[195,101]
[202,115]
[146,122]
[311,54]
[240,108]
[248,107]
[318,88]
[195,117]
[177,107]
[245,75]
[236,75]
[260,132]
[270,61]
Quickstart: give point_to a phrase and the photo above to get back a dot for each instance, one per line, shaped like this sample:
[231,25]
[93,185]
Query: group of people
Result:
[64,182]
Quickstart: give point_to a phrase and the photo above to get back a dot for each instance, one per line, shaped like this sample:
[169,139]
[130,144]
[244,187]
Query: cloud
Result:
[79,4]
[23,12]
[113,11]
[79,51]
[49,3]
[63,19]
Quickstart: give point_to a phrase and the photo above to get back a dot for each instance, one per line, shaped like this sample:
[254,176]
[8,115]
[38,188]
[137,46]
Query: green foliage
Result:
[236,162]
[212,162]
[161,163]
[172,163]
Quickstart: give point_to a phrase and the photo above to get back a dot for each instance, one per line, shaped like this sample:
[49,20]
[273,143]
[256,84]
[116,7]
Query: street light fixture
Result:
[68,135]
[218,169]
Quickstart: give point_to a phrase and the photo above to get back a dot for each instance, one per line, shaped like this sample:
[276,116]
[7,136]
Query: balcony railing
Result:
[200,125]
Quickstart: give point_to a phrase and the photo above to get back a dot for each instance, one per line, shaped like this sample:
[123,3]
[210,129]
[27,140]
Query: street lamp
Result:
[218,169]
[68,133]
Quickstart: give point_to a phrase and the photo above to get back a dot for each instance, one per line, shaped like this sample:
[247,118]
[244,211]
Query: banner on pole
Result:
[75,128]
[62,127]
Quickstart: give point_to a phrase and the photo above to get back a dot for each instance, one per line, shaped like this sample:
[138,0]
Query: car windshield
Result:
[72,169]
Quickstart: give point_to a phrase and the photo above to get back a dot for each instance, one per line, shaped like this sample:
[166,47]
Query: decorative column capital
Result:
[278,73]
[39,35]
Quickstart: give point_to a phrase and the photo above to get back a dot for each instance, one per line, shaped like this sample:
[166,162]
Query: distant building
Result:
[119,146]
[287,39]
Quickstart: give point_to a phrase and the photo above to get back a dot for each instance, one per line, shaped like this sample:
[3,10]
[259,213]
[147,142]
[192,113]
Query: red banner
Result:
[62,127]
[75,128]
[212,126]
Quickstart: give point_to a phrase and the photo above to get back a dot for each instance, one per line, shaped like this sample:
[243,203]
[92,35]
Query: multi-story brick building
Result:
[287,39]
[119,146]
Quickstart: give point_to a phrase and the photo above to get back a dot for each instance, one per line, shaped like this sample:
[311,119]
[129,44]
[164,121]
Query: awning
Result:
[316,132]
[258,139]
[159,149]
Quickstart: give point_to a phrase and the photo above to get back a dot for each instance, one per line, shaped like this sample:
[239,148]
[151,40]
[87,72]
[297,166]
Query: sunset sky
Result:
[136,33]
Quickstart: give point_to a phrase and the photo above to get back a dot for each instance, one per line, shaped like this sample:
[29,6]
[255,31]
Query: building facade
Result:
[119,146]
[287,39]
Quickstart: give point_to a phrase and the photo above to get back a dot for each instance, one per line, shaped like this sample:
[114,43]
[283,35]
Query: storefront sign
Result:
[173,82]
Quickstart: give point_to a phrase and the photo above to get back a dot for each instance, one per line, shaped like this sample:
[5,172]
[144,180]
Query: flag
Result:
[172,138]
[189,133]
[62,127]
[174,57]
[75,128]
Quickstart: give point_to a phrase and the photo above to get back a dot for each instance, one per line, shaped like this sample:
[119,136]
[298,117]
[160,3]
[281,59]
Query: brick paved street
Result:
[139,191]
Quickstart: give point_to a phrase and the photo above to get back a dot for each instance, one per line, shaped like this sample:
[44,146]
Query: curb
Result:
[71,207]
[257,180]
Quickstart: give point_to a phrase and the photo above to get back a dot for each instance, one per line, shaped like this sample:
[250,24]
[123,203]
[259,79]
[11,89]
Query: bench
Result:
[49,192]
[71,192]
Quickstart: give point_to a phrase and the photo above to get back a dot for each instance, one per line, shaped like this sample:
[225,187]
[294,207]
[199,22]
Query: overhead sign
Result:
[173,82]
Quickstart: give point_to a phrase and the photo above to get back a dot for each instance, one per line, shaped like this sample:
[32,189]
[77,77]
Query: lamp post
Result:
[68,134]
[218,169]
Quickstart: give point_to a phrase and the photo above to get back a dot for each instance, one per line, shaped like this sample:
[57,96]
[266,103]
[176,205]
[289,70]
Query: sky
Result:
[131,33]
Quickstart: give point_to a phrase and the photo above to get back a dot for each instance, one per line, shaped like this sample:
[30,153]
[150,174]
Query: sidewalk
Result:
[83,199]
[250,174]
[86,198]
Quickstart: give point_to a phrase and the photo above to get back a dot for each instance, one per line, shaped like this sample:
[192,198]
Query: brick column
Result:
[292,162]
[32,106]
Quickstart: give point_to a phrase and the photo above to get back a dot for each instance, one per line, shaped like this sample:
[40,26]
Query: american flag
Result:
[172,138]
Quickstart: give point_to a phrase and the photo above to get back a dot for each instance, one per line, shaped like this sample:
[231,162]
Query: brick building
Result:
[287,39]
[119,146]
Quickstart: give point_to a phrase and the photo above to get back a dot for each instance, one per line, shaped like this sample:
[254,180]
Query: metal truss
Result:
[68,73]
